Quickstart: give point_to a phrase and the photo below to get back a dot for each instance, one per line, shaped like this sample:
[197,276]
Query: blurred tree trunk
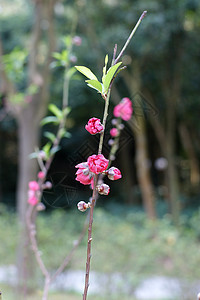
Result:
[189,148]
[28,118]
[142,161]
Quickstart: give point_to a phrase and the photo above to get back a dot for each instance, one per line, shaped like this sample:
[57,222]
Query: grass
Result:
[124,242]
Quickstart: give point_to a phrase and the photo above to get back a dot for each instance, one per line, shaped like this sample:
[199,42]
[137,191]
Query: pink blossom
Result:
[84,175]
[94,126]
[41,175]
[114,173]
[77,40]
[34,186]
[33,200]
[114,132]
[97,163]
[103,189]
[124,109]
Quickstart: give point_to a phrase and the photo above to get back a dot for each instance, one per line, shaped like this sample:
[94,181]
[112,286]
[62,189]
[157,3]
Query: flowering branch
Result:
[97,165]
[45,158]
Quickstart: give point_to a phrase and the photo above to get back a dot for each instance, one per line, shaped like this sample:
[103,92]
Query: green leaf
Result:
[57,55]
[50,136]
[95,84]
[55,110]
[109,76]
[55,149]
[32,89]
[66,111]
[71,72]
[105,67]
[47,148]
[87,72]
[33,155]
[67,135]
[48,120]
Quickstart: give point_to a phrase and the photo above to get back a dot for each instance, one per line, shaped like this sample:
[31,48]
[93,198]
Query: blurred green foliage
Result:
[124,241]
[101,24]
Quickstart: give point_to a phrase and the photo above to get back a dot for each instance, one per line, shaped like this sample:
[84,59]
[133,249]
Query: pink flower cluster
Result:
[94,126]
[124,109]
[96,164]
[33,193]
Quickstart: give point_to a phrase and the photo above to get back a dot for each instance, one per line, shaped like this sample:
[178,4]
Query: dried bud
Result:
[111,142]
[103,189]
[73,58]
[82,206]
[47,185]
[112,157]
[114,121]
[40,206]
[121,126]
[42,155]
[77,40]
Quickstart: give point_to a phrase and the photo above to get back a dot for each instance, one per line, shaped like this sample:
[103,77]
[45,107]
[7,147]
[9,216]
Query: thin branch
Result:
[34,245]
[69,256]
[130,36]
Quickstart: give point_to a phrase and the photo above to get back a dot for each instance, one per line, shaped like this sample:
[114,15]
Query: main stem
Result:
[87,273]
[94,194]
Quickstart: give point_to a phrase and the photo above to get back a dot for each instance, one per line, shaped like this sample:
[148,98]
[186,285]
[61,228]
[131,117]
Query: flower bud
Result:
[114,173]
[34,186]
[114,132]
[82,206]
[41,175]
[103,189]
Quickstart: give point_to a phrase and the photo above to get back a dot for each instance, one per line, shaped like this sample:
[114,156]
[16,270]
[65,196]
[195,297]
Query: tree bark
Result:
[189,148]
[29,131]
[142,161]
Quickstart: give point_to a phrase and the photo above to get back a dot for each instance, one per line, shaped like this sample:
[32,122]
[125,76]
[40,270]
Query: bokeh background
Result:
[149,224]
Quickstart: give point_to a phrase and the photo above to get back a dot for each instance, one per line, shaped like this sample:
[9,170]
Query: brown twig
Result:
[87,273]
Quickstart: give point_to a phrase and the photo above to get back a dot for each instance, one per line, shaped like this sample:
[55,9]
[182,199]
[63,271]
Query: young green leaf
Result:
[105,68]
[48,120]
[109,76]
[55,110]
[50,136]
[95,84]
[47,148]
[66,111]
[57,55]
[87,72]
